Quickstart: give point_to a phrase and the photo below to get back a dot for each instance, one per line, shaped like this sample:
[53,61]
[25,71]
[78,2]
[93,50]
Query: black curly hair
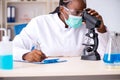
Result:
[62,3]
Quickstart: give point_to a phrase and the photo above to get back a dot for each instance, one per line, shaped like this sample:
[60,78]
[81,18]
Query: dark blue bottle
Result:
[11,14]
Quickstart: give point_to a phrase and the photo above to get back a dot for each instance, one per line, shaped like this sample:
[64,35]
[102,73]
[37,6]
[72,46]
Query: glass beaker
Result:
[112,54]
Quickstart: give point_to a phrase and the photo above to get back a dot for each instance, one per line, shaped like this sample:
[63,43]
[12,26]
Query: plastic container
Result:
[6,57]
[112,54]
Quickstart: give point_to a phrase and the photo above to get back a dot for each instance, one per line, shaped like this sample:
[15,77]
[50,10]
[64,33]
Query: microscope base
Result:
[93,56]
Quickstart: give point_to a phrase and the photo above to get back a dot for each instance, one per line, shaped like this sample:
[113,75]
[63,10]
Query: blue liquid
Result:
[114,58]
[6,62]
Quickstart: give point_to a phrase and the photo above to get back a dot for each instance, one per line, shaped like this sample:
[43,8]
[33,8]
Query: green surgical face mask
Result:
[74,21]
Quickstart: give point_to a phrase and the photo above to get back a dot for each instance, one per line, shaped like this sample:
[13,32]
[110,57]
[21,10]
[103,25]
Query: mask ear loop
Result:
[64,18]
[67,10]
[63,14]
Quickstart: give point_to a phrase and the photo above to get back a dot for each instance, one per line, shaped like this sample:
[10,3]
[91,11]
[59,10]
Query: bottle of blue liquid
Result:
[6,58]
[112,55]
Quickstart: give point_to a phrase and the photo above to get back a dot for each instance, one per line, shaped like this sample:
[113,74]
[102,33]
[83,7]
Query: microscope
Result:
[90,50]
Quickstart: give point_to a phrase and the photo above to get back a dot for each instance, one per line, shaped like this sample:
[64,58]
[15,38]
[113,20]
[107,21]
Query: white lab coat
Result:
[48,34]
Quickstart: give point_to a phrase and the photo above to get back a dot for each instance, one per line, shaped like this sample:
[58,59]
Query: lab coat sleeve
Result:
[24,42]
[103,41]
[19,47]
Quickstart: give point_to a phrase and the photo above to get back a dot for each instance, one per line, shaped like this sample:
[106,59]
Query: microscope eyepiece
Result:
[91,20]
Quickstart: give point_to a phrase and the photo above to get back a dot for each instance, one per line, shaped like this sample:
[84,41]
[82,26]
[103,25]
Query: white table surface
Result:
[73,67]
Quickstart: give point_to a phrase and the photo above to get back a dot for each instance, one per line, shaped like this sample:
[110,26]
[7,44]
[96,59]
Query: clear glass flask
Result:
[112,54]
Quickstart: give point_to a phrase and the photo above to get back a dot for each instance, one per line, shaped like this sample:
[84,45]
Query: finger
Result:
[41,55]
[33,56]
[91,11]
[29,58]
[36,57]
[38,60]
[98,16]
[38,52]
[94,13]
[87,9]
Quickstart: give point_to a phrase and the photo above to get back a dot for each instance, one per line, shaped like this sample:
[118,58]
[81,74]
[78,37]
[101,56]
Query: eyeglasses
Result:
[74,12]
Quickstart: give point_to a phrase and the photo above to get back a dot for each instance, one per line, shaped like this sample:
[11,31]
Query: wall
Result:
[109,9]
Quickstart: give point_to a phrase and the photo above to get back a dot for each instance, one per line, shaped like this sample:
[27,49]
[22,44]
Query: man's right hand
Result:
[34,56]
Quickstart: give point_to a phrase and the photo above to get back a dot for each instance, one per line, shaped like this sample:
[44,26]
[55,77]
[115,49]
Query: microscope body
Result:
[90,50]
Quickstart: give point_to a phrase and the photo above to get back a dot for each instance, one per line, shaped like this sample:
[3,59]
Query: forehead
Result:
[77,4]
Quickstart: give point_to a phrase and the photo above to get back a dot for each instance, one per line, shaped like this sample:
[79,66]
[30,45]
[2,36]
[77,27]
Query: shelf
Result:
[16,23]
[19,1]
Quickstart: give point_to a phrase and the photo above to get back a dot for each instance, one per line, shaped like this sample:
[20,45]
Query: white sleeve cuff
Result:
[18,53]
